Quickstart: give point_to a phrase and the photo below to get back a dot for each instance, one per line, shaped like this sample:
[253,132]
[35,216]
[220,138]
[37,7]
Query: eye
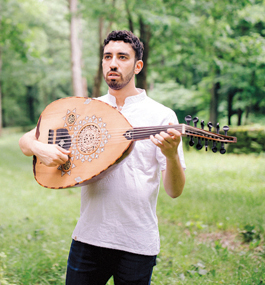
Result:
[106,57]
[122,57]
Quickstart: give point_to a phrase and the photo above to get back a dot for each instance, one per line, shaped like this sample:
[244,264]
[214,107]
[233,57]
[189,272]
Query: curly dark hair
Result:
[127,37]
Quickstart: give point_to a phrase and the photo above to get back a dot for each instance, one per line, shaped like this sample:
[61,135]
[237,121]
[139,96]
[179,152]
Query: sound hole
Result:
[63,138]
[89,139]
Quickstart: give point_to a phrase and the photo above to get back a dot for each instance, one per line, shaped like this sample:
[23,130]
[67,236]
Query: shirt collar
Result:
[129,100]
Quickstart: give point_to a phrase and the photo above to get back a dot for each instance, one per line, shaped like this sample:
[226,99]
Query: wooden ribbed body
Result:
[91,130]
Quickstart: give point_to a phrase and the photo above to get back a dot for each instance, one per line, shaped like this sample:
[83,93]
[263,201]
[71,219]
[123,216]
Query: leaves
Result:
[193,45]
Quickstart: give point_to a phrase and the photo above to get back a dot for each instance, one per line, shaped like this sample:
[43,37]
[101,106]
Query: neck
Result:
[123,93]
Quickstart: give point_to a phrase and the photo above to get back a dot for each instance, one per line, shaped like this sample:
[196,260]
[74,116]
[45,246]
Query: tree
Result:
[11,37]
[201,57]
[44,67]
[79,83]
[1,124]
[103,30]
[217,48]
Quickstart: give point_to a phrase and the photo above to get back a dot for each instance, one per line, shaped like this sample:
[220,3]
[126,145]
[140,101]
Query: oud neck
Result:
[145,132]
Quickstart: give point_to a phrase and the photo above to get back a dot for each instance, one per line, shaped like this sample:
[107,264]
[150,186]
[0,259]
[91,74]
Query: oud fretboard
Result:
[145,132]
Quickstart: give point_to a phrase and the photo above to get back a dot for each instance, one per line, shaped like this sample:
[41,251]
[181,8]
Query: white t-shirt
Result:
[119,210]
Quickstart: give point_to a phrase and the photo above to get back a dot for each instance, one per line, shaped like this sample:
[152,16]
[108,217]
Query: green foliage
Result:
[250,139]
[40,61]
[183,101]
[207,42]
[193,45]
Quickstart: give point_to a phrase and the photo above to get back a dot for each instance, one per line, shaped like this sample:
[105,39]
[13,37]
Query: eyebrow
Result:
[119,53]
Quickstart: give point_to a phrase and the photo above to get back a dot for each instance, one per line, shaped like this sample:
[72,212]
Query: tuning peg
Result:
[195,121]
[191,142]
[210,125]
[214,148]
[199,142]
[226,129]
[206,144]
[202,124]
[223,150]
[199,145]
[217,128]
[188,119]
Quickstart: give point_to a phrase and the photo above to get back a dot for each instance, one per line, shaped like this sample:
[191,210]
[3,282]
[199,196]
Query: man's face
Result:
[118,64]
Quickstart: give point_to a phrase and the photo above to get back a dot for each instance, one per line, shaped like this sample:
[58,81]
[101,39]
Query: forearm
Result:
[174,177]
[49,154]
[26,143]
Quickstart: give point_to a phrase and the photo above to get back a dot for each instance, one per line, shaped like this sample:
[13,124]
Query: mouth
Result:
[113,75]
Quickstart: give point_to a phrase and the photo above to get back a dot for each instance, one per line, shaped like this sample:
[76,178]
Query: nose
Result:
[113,63]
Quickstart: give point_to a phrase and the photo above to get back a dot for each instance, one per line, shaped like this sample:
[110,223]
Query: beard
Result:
[119,83]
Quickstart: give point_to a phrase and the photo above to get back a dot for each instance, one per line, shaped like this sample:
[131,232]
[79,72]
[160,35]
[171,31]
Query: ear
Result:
[138,66]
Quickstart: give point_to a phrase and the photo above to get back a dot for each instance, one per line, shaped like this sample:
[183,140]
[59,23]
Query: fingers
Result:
[155,140]
[53,161]
[171,137]
[168,142]
[52,155]
[61,159]
[65,151]
[61,156]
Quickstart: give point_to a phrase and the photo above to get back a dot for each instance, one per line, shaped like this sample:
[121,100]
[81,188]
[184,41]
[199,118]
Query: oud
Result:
[98,137]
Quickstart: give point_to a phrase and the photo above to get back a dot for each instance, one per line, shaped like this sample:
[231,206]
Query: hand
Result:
[168,142]
[50,154]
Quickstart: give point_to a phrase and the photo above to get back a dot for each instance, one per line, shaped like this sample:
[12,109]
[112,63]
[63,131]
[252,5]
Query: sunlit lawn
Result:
[201,231]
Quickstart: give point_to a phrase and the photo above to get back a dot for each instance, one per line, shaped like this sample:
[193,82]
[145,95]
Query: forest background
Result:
[204,58]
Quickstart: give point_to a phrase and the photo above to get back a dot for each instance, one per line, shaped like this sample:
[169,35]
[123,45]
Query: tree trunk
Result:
[239,116]
[77,80]
[230,106]
[214,103]
[98,77]
[145,36]
[247,110]
[1,124]
[102,33]
[231,93]
[129,15]
[30,103]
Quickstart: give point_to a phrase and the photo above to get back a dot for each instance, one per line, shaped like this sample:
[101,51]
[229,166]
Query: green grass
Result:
[201,240]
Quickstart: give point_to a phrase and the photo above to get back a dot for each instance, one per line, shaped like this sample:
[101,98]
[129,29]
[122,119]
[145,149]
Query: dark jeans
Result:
[92,265]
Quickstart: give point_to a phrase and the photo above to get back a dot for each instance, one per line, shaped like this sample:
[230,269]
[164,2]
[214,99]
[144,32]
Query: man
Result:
[117,233]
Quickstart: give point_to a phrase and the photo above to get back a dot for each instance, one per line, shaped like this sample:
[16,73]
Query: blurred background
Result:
[203,58]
